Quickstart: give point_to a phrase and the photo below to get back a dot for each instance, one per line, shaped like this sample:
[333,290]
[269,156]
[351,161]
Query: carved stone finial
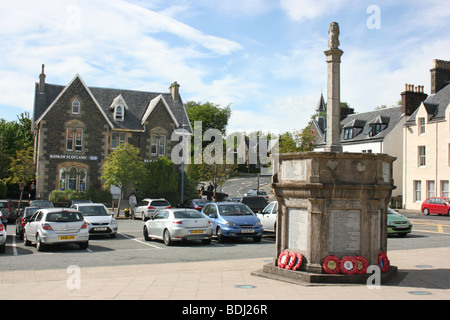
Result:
[333,31]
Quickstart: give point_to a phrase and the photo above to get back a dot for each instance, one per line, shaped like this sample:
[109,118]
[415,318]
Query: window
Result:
[444,189]
[350,133]
[73,179]
[431,189]
[76,107]
[118,138]
[118,114]
[158,147]
[421,126]
[74,140]
[422,160]
[417,190]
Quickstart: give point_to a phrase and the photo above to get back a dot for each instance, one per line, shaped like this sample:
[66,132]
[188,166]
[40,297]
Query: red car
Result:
[436,205]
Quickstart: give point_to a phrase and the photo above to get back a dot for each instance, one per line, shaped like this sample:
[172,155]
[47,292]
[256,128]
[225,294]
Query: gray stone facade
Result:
[72,141]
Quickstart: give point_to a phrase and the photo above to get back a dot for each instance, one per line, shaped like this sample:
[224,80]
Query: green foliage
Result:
[3,189]
[210,114]
[160,178]
[22,167]
[93,194]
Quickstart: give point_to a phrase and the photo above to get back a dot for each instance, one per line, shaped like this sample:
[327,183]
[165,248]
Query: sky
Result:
[263,58]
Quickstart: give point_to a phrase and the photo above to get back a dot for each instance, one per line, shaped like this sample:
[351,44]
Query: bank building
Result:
[76,127]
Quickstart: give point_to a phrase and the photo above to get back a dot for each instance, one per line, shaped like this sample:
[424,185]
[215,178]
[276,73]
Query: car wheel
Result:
[84,245]
[39,245]
[426,211]
[220,236]
[146,236]
[448,212]
[26,242]
[143,217]
[167,240]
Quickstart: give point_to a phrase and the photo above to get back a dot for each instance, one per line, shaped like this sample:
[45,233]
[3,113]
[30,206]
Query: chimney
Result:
[440,74]
[412,97]
[175,91]
[42,80]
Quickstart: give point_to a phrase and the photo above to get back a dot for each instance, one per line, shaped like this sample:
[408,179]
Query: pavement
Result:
[423,274]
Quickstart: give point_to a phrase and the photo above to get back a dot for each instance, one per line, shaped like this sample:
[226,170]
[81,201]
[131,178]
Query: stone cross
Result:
[333,141]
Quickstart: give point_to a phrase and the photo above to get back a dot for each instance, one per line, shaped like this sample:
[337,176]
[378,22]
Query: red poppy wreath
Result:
[331,264]
[362,265]
[383,261]
[349,265]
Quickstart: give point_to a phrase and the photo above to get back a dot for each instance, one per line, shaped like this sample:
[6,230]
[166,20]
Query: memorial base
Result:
[306,278]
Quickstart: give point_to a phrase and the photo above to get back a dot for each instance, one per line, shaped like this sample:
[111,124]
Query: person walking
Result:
[133,202]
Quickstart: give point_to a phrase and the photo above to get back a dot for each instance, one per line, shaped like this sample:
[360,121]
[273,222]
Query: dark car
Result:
[196,204]
[23,218]
[255,203]
[8,211]
[436,205]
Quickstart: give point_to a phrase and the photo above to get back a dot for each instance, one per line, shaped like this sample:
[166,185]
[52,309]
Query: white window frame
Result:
[421,156]
[421,124]
[431,189]
[121,138]
[445,189]
[417,185]
[76,101]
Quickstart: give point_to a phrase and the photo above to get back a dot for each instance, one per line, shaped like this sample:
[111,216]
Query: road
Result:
[237,187]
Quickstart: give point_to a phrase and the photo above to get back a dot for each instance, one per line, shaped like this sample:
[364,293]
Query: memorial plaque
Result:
[344,232]
[298,229]
[293,170]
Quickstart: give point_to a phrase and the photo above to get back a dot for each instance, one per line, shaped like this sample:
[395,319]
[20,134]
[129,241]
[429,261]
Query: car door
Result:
[139,210]
[440,206]
[264,216]
[210,211]
[155,225]
[31,228]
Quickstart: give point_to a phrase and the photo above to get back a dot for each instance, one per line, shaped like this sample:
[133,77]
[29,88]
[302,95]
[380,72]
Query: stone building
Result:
[76,127]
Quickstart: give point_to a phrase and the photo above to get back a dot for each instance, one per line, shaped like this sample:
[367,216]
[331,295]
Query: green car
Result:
[397,223]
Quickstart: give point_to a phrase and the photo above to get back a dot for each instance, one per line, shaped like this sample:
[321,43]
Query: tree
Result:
[210,114]
[22,169]
[122,168]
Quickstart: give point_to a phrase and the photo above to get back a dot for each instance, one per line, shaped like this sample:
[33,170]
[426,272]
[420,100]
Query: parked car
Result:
[100,220]
[7,209]
[268,216]
[23,218]
[3,236]
[147,208]
[178,224]
[436,205]
[257,193]
[233,219]
[41,204]
[56,226]
[196,204]
[397,223]
[77,201]
[255,203]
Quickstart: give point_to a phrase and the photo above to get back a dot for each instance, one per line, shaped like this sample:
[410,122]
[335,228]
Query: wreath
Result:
[349,265]
[291,261]
[383,261]
[362,265]
[331,264]
[283,259]
[299,262]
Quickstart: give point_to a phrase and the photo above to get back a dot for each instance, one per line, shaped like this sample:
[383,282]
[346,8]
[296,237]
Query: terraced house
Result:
[76,127]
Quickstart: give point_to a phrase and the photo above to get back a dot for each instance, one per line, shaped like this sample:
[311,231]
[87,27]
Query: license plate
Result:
[67,238]
[247,231]
[101,229]
[196,231]
[403,226]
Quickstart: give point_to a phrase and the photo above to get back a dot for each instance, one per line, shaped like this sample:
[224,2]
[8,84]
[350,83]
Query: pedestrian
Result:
[32,191]
[133,202]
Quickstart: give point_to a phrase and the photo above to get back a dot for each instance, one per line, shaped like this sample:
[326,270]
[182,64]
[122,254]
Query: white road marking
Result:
[139,241]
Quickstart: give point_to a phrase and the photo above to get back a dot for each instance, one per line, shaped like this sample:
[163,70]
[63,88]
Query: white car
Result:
[147,208]
[100,220]
[56,226]
[3,235]
[268,216]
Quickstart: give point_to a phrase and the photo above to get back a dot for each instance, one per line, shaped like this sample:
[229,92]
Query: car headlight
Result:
[113,221]
[258,223]
[230,223]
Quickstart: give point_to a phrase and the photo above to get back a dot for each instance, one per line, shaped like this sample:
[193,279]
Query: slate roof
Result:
[137,102]
[435,105]
[389,116]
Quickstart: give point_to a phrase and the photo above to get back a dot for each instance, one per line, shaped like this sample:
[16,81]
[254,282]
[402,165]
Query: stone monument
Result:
[332,204]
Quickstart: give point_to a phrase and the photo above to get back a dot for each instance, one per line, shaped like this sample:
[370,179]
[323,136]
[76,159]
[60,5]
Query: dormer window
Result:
[118,106]
[118,114]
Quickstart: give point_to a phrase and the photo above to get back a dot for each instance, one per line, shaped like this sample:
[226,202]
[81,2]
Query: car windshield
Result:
[64,216]
[160,203]
[41,204]
[93,210]
[235,210]
[188,214]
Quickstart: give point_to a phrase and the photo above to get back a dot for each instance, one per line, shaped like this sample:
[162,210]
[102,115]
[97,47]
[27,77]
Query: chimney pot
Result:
[440,74]
[42,80]
[175,91]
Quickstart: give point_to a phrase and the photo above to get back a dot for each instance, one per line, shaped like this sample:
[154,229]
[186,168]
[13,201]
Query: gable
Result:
[159,100]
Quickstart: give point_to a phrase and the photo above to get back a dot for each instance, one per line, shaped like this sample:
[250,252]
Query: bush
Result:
[3,189]
[95,195]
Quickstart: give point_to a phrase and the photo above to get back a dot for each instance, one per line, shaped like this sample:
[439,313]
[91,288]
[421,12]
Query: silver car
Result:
[3,236]
[100,220]
[149,207]
[178,224]
[56,226]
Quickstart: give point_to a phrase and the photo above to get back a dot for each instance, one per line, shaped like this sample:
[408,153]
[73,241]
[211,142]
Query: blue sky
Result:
[264,58]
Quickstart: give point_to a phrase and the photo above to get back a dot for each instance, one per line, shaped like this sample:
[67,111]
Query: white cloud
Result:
[300,10]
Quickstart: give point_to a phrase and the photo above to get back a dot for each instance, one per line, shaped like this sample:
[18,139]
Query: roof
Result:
[389,117]
[435,105]
[140,104]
